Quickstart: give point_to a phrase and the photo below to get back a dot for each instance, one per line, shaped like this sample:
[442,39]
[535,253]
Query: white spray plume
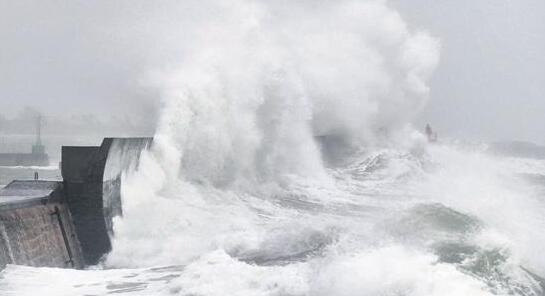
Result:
[261,80]
[257,81]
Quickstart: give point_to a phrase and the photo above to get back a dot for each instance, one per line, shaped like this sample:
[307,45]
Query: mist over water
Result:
[284,163]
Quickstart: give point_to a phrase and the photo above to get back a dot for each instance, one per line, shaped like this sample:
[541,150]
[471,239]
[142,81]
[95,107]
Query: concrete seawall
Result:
[67,224]
[35,226]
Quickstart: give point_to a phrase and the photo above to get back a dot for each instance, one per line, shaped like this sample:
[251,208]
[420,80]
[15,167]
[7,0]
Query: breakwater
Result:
[67,223]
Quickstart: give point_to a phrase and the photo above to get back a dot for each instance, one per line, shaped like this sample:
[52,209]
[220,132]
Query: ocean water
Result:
[285,162]
[444,221]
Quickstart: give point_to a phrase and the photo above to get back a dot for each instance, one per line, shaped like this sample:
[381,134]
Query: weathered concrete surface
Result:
[92,195]
[82,172]
[36,227]
[69,223]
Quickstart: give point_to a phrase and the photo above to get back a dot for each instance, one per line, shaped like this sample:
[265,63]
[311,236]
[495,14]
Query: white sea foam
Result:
[236,192]
[241,114]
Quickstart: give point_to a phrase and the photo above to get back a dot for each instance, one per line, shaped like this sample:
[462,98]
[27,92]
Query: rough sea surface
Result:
[447,221]
[285,163]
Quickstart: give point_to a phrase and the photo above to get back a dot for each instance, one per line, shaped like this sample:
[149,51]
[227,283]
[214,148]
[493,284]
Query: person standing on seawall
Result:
[432,137]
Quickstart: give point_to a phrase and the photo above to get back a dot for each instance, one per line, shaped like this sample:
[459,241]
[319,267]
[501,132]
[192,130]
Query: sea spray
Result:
[237,195]
[241,114]
[237,184]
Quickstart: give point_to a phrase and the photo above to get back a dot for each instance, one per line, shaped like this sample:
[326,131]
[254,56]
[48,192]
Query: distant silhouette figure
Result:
[432,137]
[36,176]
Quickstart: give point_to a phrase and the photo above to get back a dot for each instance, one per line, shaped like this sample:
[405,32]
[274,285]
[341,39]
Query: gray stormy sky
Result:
[78,57]
[490,83]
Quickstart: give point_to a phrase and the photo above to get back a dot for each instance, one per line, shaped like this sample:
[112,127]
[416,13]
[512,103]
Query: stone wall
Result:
[39,235]
[69,223]
[82,171]
[92,189]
